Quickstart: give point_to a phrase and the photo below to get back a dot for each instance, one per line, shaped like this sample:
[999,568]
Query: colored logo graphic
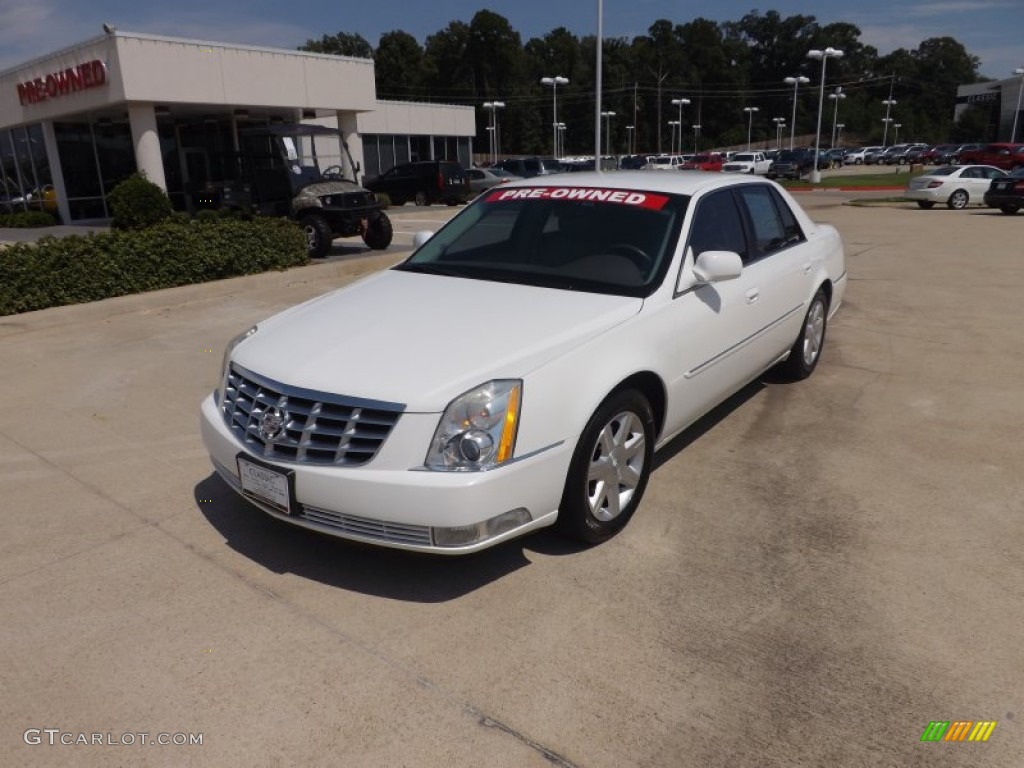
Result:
[958,730]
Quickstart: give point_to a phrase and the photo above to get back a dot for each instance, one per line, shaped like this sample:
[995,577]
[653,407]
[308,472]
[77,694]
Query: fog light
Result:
[466,535]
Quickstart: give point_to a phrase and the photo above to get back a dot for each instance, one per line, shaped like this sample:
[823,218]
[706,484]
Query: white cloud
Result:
[944,7]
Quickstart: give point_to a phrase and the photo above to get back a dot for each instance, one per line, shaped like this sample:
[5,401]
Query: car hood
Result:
[421,340]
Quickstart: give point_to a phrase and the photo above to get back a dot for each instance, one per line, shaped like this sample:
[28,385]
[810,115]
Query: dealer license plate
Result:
[266,484]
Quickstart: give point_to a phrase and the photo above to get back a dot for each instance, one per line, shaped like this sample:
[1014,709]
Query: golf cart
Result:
[283,177]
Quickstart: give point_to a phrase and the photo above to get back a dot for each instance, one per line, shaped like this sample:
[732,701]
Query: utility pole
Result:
[661,78]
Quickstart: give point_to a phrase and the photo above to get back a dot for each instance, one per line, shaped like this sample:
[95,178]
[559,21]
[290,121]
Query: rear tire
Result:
[958,200]
[1009,210]
[319,235]
[926,204]
[609,469]
[806,351]
[421,198]
[378,232]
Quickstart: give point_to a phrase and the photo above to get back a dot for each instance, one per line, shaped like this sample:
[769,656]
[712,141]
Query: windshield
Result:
[570,238]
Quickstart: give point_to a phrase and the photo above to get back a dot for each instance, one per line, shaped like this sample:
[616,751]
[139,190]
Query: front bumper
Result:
[392,501]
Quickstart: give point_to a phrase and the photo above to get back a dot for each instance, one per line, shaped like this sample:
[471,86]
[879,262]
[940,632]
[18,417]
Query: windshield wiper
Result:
[433,268]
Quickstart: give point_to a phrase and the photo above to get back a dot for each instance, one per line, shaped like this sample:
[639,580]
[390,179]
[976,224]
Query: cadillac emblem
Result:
[271,424]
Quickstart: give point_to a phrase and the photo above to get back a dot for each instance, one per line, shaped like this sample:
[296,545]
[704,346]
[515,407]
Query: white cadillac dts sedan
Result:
[522,366]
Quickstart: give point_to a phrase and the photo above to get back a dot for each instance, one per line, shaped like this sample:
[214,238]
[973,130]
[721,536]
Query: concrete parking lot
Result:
[817,571]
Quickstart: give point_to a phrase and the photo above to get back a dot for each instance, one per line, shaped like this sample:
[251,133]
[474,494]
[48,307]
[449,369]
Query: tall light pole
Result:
[824,55]
[795,82]
[1020,92]
[750,122]
[839,133]
[896,136]
[672,144]
[680,103]
[560,143]
[554,82]
[630,149]
[836,97]
[607,131]
[780,123]
[889,104]
[493,127]
[696,133]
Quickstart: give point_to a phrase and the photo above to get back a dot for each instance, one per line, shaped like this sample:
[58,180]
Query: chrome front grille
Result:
[317,428]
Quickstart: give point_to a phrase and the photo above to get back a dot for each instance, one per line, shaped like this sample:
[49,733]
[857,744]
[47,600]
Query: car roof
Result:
[672,182]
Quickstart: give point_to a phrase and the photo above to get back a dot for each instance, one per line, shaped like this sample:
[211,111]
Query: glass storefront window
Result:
[78,159]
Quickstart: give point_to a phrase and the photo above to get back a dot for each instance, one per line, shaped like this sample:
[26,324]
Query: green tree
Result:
[398,66]
[341,44]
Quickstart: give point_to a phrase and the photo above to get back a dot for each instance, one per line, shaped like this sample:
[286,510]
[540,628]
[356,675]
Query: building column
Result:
[56,171]
[350,134]
[148,159]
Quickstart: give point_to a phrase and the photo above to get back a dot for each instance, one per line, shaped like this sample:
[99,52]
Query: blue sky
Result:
[989,29]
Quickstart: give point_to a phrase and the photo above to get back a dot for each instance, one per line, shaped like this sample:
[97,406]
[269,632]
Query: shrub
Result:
[137,203]
[75,269]
[384,199]
[207,214]
[27,219]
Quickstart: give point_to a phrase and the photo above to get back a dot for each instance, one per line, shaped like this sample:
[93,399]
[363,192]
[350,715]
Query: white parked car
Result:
[955,185]
[857,156]
[748,162]
[521,367]
[663,163]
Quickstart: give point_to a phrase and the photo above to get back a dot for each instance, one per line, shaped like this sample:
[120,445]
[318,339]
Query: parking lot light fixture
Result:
[889,104]
[896,135]
[630,149]
[560,143]
[836,97]
[673,124]
[493,127]
[1020,92]
[750,122]
[839,133]
[680,103]
[780,123]
[696,134]
[824,55]
[554,82]
[795,82]
[607,131]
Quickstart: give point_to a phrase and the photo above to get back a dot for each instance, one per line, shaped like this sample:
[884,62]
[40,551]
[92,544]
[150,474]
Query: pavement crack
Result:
[551,756]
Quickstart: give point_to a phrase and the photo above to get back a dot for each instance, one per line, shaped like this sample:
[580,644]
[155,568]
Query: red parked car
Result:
[705,161]
[1002,155]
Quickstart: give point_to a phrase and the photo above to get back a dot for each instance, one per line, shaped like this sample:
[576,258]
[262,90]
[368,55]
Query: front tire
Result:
[421,198]
[378,233]
[319,235]
[1009,210]
[609,470]
[958,200]
[806,351]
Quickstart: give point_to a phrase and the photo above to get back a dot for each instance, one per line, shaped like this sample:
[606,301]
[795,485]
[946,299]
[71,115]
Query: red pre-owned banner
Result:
[589,194]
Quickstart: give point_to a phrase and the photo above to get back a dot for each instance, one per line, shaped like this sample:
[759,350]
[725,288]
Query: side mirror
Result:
[421,237]
[715,266]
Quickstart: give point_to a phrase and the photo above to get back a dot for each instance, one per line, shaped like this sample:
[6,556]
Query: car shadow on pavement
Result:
[391,573]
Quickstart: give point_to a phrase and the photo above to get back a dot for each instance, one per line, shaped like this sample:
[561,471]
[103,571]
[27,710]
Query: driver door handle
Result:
[752,295]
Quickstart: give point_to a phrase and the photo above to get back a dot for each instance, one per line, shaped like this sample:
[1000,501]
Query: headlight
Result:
[478,428]
[227,361]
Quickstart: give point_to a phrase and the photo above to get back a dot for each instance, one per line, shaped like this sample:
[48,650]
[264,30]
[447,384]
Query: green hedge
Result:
[26,219]
[71,270]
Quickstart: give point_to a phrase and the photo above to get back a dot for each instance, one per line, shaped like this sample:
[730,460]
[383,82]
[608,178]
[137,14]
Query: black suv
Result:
[424,182]
[528,167]
[794,163]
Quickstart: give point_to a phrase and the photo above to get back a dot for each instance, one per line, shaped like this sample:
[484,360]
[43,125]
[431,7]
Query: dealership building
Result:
[76,122]
[1001,102]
